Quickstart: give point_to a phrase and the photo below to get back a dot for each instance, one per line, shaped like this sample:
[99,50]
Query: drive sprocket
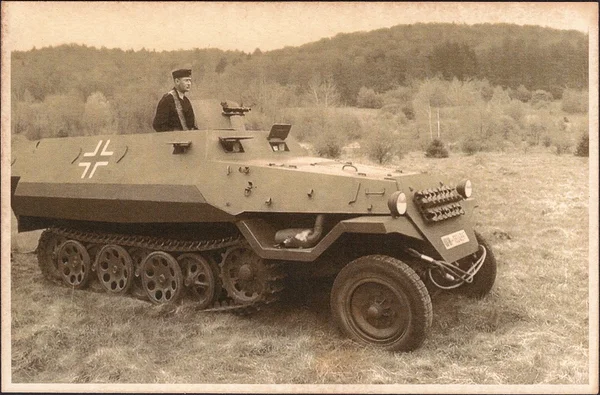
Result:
[248,278]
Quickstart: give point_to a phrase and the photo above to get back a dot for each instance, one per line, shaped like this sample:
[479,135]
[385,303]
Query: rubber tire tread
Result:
[486,276]
[405,277]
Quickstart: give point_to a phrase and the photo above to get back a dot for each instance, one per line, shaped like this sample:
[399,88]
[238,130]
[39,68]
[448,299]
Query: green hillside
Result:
[73,89]
[506,55]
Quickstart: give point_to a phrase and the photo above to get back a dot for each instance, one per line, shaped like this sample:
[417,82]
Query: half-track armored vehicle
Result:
[222,215]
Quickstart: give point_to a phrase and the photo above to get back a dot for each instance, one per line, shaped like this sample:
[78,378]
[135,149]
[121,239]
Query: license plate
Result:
[455,239]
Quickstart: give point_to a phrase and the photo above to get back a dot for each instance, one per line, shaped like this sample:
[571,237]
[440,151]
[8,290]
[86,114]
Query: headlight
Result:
[465,189]
[397,203]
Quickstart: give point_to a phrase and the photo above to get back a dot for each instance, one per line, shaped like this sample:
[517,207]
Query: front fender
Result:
[260,235]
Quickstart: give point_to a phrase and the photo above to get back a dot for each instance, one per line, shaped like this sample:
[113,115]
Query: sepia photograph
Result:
[299,197]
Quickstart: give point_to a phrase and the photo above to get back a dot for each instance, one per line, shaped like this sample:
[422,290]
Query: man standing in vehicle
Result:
[174,110]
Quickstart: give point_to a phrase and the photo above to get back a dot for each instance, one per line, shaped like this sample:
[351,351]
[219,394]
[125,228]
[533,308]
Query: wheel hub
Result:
[374,311]
[377,310]
[246,273]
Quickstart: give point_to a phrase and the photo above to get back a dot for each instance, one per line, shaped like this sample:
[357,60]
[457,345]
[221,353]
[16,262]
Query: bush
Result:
[436,149]
[500,97]
[307,123]
[556,91]
[504,127]
[522,94]
[256,120]
[393,108]
[400,94]
[470,146]
[515,110]
[562,145]
[536,128]
[381,145]
[329,144]
[583,146]
[409,111]
[97,115]
[486,91]
[346,124]
[367,98]
[547,141]
[574,101]
[401,119]
[540,98]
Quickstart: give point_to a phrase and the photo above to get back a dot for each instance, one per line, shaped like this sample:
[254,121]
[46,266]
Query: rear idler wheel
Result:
[380,301]
[200,278]
[161,278]
[115,269]
[47,254]
[74,264]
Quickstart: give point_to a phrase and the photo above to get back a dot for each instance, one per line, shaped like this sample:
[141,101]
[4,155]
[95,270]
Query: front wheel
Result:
[379,300]
[485,278]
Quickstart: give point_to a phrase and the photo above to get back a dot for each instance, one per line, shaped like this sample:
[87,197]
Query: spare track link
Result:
[224,304]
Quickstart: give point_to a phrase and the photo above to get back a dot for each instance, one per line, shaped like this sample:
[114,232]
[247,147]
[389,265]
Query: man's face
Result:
[183,84]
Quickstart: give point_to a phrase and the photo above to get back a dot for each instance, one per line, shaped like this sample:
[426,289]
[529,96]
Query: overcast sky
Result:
[247,26]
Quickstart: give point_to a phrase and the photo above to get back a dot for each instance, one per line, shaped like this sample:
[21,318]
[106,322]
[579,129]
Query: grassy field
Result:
[532,329]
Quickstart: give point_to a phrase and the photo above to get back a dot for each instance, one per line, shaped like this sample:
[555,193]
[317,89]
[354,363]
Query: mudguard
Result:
[260,234]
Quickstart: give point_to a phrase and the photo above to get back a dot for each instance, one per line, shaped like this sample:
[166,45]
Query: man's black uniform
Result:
[167,119]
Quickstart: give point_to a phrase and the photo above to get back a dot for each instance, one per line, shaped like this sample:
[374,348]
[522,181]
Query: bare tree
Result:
[323,91]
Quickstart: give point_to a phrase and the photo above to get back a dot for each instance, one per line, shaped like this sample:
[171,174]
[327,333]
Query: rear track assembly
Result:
[53,238]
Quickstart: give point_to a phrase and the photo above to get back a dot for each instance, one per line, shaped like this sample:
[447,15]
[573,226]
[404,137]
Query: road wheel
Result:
[486,276]
[74,264]
[381,301]
[161,278]
[200,278]
[115,269]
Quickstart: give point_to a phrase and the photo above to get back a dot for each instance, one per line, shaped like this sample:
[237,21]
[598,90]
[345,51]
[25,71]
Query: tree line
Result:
[121,88]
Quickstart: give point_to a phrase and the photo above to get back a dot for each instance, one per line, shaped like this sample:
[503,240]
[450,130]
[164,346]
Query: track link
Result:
[223,303]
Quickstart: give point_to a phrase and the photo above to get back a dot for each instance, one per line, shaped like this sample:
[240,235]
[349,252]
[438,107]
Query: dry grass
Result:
[532,328]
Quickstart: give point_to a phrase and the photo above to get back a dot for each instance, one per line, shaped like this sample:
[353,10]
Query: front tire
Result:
[378,300]
[486,276]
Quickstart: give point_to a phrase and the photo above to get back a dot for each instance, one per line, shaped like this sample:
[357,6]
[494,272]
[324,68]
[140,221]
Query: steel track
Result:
[222,304]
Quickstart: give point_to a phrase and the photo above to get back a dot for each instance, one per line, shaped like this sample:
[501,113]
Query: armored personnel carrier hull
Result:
[223,215]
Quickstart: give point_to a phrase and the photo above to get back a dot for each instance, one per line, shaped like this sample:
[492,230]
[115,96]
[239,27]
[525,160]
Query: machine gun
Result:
[228,111]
